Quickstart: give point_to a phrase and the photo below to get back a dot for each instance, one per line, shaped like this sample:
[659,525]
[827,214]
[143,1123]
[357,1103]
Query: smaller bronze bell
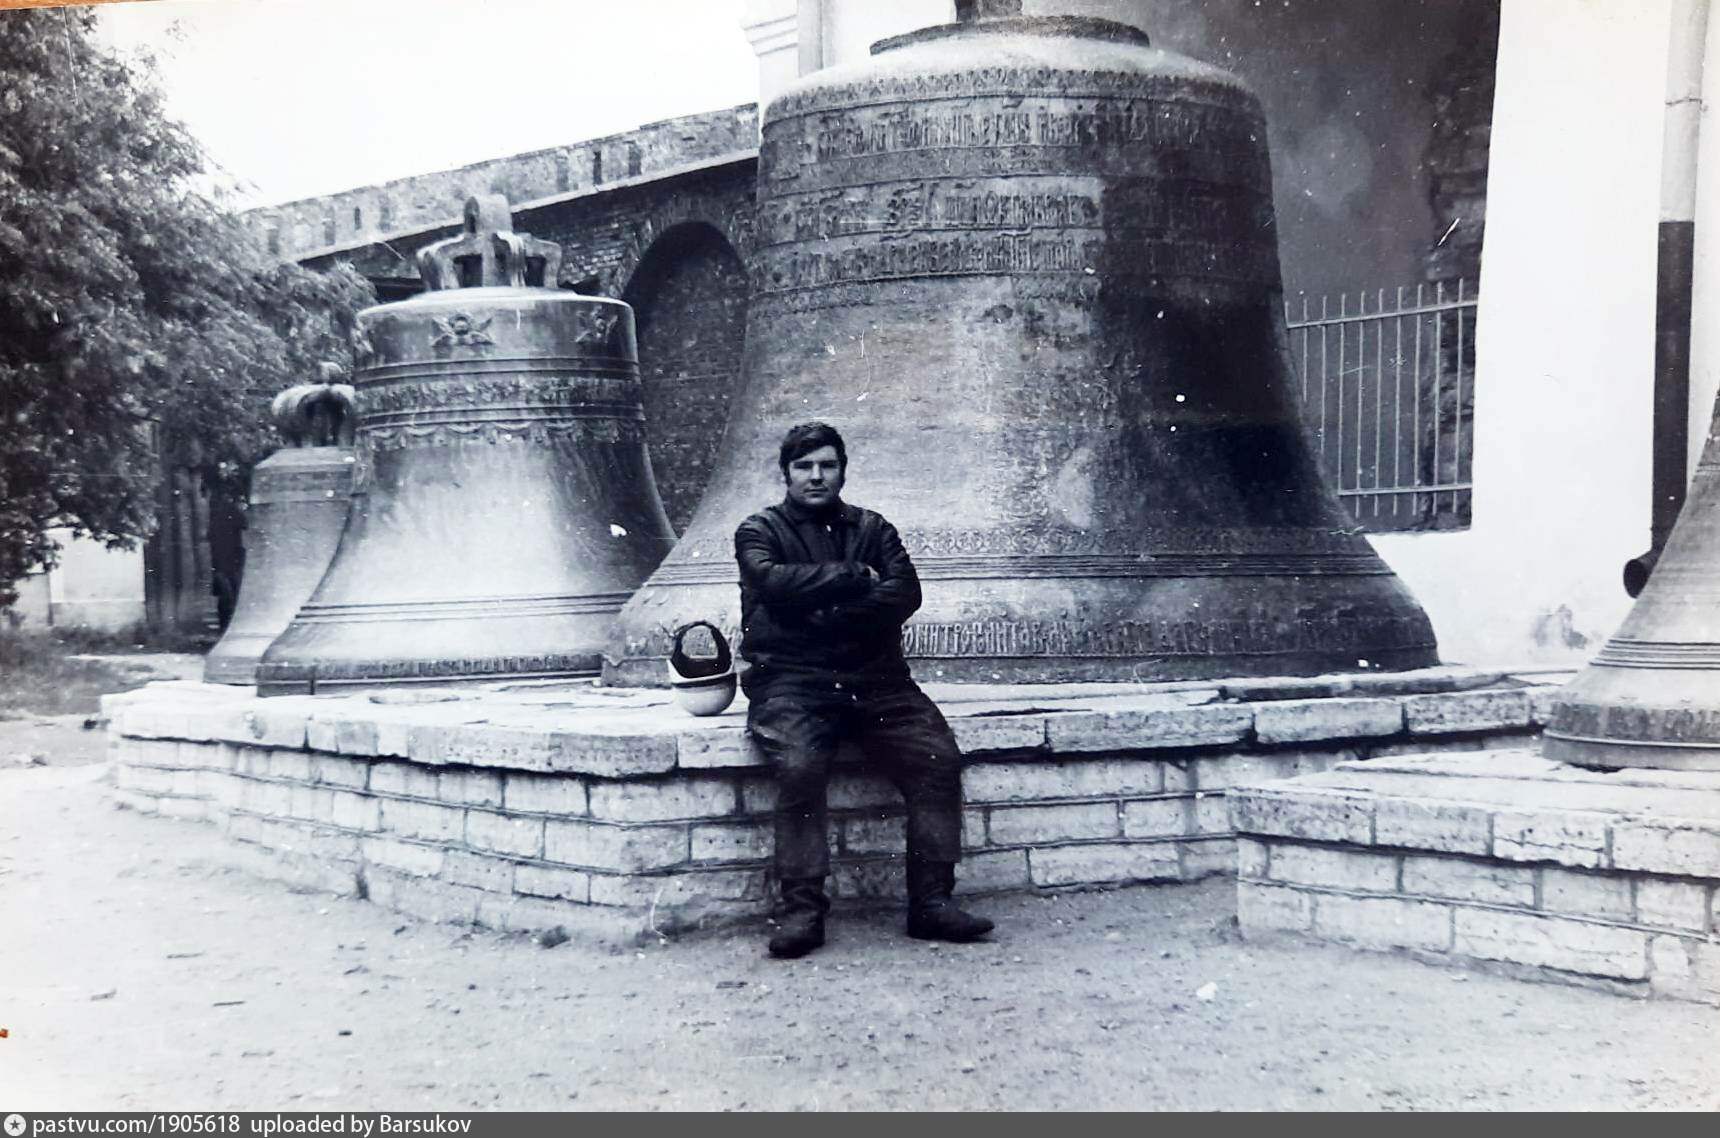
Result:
[703,685]
[299,499]
[1651,695]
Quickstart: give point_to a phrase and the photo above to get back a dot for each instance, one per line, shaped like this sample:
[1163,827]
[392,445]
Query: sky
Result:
[296,98]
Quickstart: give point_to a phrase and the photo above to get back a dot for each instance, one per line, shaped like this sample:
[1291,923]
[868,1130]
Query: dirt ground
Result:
[138,971]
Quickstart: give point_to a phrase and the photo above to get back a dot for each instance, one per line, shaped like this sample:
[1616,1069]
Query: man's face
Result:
[815,478]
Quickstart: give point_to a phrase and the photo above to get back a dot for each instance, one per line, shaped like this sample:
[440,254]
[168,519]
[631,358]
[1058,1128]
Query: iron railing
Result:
[1387,384]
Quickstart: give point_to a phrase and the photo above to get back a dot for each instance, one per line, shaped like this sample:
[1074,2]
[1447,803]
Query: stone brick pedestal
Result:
[1501,856]
[533,805]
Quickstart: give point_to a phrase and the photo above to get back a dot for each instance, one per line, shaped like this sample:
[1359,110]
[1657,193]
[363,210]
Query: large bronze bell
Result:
[1028,267]
[1651,696]
[504,507]
[299,498]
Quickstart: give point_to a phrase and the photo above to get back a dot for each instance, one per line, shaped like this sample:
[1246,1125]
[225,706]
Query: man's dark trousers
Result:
[902,735]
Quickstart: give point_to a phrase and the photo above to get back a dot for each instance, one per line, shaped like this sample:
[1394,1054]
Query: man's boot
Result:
[801,928]
[931,913]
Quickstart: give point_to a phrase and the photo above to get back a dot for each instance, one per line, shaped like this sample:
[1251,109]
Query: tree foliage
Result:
[137,314]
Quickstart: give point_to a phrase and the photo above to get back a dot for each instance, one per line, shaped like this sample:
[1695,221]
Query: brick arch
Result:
[730,215]
[689,296]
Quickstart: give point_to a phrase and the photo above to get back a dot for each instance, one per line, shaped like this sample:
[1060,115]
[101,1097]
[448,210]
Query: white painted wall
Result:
[1705,287]
[91,587]
[849,30]
[1565,340]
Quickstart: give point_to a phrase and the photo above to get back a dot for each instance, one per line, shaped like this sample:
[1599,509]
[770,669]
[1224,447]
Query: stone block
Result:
[292,765]
[721,748]
[311,803]
[1334,868]
[521,836]
[490,745]
[851,791]
[1265,909]
[156,752]
[270,723]
[874,834]
[758,795]
[413,858]
[404,779]
[875,878]
[430,821]
[731,841]
[686,796]
[1673,848]
[1566,837]
[1480,883]
[466,786]
[1179,775]
[424,897]
[562,795]
[491,874]
[613,756]
[1575,893]
[1673,904]
[1104,863]
[1211,813]
[1036,780]
[144,780]
[1450,712]
[166,721]
[553,881]
[1139,729]
[252,761]
[353,811]
[628,849]
[342,734]
[1685,968]
[975,733]
[1380,922]
[1158,817]
[1433,824]
[335,770]
[227,790]
[1307,720]
[973,829]
[1307,813]
[990,872]
[679,890]
[1208,858]
[1251,858]
[274,799]
[1040,825]
[1565,943]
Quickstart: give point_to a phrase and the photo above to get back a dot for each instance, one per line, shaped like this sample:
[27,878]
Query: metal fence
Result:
[1387,387]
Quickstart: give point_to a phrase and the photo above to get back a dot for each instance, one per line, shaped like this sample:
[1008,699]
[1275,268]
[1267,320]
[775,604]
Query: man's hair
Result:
[804,438]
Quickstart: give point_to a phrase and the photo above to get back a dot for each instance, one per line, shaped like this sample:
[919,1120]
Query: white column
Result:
[1565,342]
[773,29]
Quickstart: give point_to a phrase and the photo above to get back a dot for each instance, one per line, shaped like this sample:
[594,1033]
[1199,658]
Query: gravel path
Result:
[140,972]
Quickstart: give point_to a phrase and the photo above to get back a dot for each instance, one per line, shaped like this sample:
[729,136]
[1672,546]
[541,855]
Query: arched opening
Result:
[689,298]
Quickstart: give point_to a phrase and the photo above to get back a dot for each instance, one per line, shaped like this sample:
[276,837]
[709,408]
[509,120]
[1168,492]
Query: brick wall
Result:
[611,811]
[689,297]
[1511,860]
[351,219]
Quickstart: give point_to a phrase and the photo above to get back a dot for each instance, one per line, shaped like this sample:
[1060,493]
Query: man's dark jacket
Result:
[809,612]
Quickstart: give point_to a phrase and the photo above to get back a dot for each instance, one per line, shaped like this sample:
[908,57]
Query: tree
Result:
[137,313]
